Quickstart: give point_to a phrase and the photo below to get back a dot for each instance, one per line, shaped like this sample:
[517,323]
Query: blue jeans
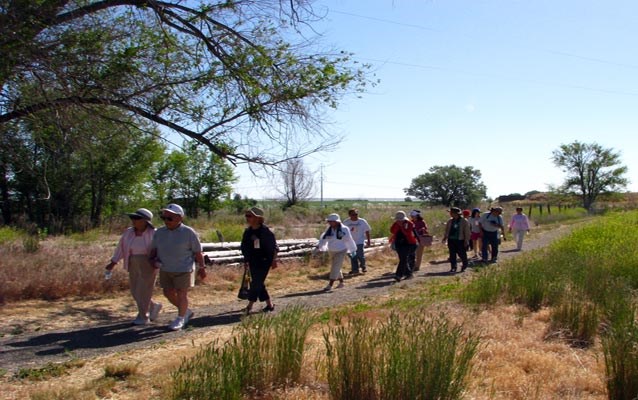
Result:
[359,261]
[490,239]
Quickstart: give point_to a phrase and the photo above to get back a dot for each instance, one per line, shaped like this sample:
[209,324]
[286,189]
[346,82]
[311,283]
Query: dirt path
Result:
[31,350]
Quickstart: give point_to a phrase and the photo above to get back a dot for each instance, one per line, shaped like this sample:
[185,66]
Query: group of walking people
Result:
[481,232]
[174,252]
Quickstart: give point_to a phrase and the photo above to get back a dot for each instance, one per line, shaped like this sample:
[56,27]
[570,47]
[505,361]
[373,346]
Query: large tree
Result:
[194,177]
[449,186]
[55,175]
[240,77]
[591,170]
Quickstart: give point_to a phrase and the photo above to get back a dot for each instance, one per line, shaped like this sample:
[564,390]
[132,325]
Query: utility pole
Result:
[321,185]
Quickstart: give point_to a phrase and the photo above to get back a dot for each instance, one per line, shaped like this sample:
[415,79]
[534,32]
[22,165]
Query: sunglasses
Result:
[169,219]
[135,217]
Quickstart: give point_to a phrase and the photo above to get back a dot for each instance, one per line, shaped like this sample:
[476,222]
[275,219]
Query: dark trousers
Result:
[490,239]
[359,261]
[407,256]
[457,247]
[257,290]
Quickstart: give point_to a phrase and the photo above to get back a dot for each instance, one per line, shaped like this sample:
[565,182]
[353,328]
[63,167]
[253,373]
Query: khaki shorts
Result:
[176,280]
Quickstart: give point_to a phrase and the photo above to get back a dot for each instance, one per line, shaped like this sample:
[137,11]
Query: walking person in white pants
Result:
[519,225]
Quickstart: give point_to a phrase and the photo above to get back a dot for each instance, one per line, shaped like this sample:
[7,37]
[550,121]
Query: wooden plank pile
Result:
[230,253]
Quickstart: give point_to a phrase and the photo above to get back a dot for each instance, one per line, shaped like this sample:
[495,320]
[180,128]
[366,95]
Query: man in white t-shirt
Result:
[360,231]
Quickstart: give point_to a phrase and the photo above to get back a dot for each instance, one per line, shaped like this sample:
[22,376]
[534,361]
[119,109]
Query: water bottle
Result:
[108,274]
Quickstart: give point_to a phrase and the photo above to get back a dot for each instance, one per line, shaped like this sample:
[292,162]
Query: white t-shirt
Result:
[358,229]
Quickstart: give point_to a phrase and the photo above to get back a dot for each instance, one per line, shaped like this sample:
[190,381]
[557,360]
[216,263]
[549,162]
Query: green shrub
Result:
[576,320]
[264,351]
[405,358]
[620,349]
[9,234]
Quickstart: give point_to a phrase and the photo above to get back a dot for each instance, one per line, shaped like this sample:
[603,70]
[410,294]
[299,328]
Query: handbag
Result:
[426,240]
[245,285]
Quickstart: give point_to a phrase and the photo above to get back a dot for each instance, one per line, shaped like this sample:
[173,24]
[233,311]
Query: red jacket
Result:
[407,227]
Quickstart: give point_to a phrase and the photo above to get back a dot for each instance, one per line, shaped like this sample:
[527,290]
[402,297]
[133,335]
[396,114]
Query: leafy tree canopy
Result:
[240,77]
[449,186]
[591,170]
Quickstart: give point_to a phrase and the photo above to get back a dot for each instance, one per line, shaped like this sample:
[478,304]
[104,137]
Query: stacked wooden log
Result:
[229,252]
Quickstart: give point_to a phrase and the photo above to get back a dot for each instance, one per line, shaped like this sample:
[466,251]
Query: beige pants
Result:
[335,266]
[141,277]
[419,257]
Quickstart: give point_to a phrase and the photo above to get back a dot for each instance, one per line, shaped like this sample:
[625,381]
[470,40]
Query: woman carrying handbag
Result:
[259,248]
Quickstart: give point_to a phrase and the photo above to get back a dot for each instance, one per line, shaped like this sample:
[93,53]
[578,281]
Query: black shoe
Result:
[397,278]
[353,273]
[463,269]
[452,269]
[269,308]
[364,270]
[409,276]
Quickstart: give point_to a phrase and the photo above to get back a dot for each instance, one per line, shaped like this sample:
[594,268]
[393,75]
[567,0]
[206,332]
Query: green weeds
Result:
[405,358]
[590,280]
[265,351]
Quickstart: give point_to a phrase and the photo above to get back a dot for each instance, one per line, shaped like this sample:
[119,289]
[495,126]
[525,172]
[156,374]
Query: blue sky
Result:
[495,85]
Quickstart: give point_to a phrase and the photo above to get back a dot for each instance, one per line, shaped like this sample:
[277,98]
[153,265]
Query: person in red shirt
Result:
[404,242]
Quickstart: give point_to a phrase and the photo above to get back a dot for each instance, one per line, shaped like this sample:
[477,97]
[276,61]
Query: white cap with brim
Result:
[333,218]
[175,209]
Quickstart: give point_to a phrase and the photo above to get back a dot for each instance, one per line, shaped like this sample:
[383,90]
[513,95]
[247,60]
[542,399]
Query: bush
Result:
[265,350]
[576,320]
[405,358]
[620,348]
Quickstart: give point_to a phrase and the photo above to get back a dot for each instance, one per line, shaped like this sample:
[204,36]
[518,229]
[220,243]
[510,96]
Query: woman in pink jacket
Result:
[134,248]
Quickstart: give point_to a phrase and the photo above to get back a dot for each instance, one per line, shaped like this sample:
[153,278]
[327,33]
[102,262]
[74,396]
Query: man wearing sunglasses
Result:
[175,249]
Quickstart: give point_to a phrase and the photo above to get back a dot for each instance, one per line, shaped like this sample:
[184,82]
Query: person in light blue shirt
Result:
[175,249]
[491,222]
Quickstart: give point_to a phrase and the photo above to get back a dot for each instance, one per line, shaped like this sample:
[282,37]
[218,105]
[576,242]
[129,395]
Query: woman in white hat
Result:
[134,248]
[405,242]
[338,241]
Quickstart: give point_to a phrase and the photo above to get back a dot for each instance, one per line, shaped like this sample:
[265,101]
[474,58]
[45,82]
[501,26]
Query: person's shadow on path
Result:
[111,335]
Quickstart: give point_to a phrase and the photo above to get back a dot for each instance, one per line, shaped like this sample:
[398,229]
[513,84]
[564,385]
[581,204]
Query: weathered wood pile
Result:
[229,252]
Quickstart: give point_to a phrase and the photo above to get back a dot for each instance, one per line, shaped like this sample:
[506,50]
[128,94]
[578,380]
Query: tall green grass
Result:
[265,351]
[411,357]
[620,348]
[590,279]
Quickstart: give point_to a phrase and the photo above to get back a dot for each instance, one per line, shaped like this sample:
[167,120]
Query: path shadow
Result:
[225,318]
[376,283]
[303,294]
[442,273]
[99,337]
[111,335]
[509,251]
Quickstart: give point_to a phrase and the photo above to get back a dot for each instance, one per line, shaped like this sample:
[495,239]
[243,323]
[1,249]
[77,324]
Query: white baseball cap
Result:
[174,208]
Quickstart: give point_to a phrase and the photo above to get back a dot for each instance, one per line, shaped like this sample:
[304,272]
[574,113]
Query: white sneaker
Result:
[140,321]
[155,310]
[188,316]
[177,324]
[340,285]
[328,288]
